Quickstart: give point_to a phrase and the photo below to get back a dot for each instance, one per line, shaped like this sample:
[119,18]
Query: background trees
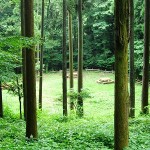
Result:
[138,37]
[53,35]
[98,29]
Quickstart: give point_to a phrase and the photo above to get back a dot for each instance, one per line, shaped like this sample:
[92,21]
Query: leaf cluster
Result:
[15,86]
[10,53]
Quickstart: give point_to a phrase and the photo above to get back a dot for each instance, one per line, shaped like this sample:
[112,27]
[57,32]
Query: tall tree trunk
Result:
[132,74]
[80,60]
[41,57]
[70,58]
[23,59]
[31,120]
[121,74]
[1,101]
[145,80]
[64,59]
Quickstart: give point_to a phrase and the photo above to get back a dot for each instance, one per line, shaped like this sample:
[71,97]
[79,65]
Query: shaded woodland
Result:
[72,41]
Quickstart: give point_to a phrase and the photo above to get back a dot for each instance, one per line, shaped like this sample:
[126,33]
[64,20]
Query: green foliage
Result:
[14,44]
[140,133]
[10,54]
[73,95]
[71,6]
[98,32]
[139,47]
[98,37]
[92,132]
[37,66]
[53,35]
[139,19]
[71,134]
[85,93]
[15,86]
[82,135]
[9,16]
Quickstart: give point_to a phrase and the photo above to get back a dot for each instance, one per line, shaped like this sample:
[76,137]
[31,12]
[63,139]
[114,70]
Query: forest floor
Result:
[93,132]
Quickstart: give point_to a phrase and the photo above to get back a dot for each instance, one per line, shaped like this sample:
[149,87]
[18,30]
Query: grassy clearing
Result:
[93,132]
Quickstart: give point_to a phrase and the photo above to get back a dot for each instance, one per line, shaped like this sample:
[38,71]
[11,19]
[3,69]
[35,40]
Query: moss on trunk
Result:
[121,74]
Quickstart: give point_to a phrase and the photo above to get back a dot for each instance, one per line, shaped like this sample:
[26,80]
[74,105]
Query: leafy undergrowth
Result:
[93,132]
[59,133]
[139,133]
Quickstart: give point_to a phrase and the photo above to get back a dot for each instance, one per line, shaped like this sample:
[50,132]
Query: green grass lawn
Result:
[93,132]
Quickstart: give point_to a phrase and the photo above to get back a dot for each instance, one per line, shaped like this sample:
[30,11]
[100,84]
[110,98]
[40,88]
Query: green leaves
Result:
[55,134]
[16,43]
[71,6]
[10,53]
[139,46]
[140,133]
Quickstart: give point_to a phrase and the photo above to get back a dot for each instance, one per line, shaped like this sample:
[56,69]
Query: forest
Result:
[74,74]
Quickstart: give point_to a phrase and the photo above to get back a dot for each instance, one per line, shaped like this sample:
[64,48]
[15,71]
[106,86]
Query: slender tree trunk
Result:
[64,59]
[132,74]
[20,108]
[41,57]
[70,58]
[19,96]
[1,101]
[75,32]
[31,120]
[80,60]
[23,59]
[145,80]
[121,74]
[37,53]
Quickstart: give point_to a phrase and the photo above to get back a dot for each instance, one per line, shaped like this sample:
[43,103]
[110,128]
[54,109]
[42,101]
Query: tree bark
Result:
[132,74]
[23,59]
[41,58]
[31,120]
[70,58]
[64,66]
[1,101]
[145,79]
[121,74]
[80,60]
